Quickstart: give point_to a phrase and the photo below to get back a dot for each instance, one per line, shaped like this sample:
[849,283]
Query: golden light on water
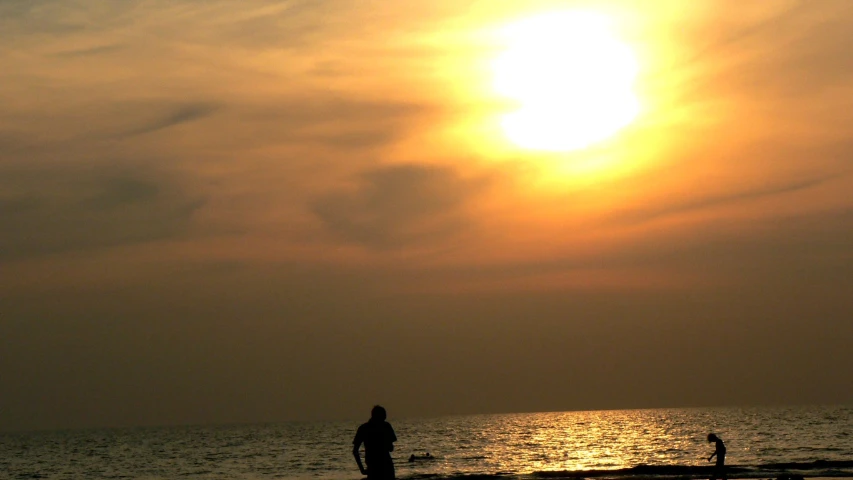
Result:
[570,78]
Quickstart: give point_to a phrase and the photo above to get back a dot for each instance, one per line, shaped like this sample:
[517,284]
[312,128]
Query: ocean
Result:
[762,442]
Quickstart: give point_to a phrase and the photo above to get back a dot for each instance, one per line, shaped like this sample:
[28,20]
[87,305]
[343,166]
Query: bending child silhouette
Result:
[378,438]
[719,452]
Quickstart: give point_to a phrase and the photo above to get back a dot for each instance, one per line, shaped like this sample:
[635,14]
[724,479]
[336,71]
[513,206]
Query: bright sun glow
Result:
[571,78]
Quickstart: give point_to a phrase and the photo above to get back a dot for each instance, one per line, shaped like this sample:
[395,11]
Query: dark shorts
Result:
[721,460]
[380,468]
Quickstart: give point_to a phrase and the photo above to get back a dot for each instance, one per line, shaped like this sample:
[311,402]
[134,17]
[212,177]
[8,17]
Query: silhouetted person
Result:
[378,438]
[719,450]
[720,453]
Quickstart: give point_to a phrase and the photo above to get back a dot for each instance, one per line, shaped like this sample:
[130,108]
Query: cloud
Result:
[745,33]
[292,25]
[816,59]
[395,206]
[89,51]
[38,17]
[178,116]
[791,54]
[65,211]
[731,198]
[334,121]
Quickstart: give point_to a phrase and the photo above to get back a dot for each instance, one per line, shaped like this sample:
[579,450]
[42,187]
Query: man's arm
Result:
[356,444]
[392,438]
[358,459]
[712,456]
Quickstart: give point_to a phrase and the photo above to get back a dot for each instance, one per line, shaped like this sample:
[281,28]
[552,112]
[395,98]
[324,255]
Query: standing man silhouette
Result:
[720,453]
[378,438]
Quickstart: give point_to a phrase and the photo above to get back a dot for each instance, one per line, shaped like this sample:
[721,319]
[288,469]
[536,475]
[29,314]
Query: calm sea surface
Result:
[505,446]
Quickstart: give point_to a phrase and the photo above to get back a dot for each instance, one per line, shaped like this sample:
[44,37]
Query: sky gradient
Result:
[249,211]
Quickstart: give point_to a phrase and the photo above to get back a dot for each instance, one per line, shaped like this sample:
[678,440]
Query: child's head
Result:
[712,437]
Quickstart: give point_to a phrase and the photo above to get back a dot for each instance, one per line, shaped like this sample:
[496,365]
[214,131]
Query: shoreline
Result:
[778,471]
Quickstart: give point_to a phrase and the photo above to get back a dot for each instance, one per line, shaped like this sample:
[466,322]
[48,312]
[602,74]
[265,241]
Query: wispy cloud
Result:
[697,203]
[89,51]
[67,211]
[178,116]
[396,206]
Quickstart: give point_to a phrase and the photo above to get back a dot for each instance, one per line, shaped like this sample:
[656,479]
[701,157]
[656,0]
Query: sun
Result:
[570,78]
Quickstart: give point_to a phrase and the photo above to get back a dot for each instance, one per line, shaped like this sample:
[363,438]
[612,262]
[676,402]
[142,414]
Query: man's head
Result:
[712,437]
[378,414]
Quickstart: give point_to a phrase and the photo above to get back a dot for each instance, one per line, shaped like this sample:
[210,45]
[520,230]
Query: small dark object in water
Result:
[417,458]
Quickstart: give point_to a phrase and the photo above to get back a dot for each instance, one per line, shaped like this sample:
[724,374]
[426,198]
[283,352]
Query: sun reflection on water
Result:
[602,440]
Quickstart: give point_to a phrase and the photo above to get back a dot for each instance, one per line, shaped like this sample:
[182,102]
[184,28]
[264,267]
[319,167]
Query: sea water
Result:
[761,441]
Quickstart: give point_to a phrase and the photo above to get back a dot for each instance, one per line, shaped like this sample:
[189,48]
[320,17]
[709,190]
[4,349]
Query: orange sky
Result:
[173,163]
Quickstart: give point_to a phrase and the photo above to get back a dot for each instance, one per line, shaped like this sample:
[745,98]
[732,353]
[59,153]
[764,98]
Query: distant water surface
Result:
[508,445]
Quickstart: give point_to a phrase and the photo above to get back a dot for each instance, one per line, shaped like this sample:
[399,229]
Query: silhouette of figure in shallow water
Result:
[719,450]
[720,453]
[378,438]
